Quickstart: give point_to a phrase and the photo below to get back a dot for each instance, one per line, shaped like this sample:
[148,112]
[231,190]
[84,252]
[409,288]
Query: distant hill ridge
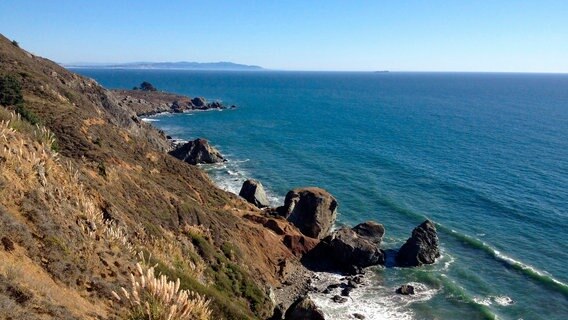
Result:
[181,65]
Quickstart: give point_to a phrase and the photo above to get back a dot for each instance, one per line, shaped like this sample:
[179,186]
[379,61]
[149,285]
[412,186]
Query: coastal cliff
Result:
[89,196]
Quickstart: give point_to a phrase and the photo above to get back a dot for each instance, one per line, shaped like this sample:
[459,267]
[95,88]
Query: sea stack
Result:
[197,151]
[253,192]
[313,210]
[421,248]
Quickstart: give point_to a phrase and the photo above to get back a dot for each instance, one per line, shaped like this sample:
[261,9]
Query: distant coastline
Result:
[182,65]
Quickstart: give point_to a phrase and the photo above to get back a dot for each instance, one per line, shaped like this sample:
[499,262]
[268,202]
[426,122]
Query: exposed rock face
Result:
[347,249]
[199,102]
[299,244]
[371,231]
[421,248]
[312,210]
[215,105]
[304,309]
[405,289]
[197,151]
[253,192]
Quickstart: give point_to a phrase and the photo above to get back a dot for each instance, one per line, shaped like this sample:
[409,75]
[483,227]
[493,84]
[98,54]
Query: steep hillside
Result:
[87,191]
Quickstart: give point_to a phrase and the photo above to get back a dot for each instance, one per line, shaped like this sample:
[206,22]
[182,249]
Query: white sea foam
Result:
[482,301]
[499,300]
[449,262]
[527,267]
[373,301]
[150,119]
[229,176]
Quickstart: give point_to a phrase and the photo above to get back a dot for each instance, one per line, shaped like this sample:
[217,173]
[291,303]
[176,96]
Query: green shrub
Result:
[228,277]
[147,86]
[27,114]
[102,169]
[15,43]
[10,91]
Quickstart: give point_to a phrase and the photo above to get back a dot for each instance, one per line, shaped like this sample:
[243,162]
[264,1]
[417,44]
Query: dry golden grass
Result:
[20,271]
[156,297]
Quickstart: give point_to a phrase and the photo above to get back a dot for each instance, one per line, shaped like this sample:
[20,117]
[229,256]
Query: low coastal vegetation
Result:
[85,186]
[145,86]
[100,219]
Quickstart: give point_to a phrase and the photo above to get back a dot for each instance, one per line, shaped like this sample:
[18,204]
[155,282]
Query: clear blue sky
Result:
[507,35]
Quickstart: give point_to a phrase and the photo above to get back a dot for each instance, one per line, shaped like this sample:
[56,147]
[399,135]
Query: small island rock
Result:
[421,248]
[253,192]
[312,210]
[197,151]
[405,289]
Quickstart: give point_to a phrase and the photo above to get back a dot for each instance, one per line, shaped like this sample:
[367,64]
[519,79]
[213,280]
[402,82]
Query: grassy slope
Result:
[112,167]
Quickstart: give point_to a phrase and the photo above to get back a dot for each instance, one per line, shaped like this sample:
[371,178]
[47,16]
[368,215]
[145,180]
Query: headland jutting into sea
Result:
[312,210]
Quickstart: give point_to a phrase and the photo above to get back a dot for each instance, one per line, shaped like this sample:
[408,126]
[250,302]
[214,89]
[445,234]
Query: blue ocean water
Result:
[485,156]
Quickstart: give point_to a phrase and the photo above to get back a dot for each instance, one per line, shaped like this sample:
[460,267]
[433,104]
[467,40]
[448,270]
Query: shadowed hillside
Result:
[87,190]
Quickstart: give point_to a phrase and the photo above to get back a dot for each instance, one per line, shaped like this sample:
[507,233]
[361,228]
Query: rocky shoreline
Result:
[346,251]
[147,103]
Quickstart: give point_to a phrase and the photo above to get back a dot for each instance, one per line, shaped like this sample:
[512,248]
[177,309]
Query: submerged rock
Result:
[253,192]
[405,289]
[421,248]
[312,210]
[197,151]
[304,309]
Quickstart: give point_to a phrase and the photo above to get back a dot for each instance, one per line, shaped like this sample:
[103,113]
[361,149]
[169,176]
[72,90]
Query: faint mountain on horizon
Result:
[181,65]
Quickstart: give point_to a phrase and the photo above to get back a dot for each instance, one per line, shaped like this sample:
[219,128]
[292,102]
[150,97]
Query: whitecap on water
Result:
[150,120]
[499,300]
[229,176]
[372,300]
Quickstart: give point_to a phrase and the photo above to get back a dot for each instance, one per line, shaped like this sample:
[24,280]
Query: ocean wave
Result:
[499,300]
[150,119]
[528,270]
[374,302]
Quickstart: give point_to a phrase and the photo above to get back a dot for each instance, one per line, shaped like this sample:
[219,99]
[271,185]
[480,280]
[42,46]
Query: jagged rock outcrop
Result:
[147,103]
[199,102]
[253,192]
[405,289]
[348,251]
[421,248]
[298,243]
[215,105]
[304,309]
[197,151]
[371,231]
[312,210]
